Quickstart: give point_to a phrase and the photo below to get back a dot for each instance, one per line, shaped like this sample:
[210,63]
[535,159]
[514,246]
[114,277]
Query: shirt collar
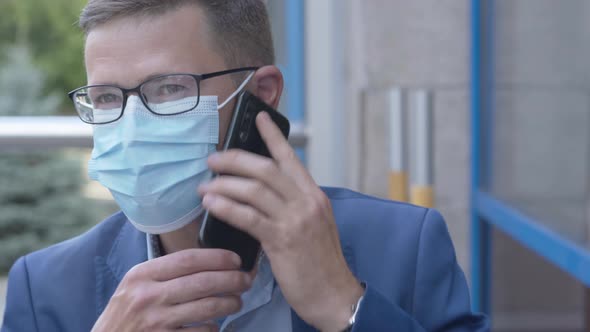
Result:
[154,248]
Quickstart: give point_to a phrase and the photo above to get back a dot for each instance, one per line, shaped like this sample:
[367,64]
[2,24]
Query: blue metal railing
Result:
[480,233]
[37,132]
[565,254]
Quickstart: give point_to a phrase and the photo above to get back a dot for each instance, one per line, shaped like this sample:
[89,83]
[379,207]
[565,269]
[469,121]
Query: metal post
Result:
[421,172]
[398,176]
[295,81]
[480,230]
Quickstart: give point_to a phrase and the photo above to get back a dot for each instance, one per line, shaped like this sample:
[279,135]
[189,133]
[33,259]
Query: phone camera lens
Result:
[243,136]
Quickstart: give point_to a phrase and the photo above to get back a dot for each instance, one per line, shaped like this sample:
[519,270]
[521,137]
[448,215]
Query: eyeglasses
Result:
[102,104]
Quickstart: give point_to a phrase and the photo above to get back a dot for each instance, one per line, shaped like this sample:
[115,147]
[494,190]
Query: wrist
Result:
[338,318]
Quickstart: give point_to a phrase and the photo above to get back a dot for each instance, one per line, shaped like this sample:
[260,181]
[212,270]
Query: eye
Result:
[107,98]
[170,89]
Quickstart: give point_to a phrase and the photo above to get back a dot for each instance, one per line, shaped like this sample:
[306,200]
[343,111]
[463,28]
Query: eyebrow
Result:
[145,79]
[152,76]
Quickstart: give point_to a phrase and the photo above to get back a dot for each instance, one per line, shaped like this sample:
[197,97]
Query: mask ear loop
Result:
[233,95]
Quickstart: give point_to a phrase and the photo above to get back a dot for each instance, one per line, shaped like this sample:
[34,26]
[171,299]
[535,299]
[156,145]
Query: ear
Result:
[267,84]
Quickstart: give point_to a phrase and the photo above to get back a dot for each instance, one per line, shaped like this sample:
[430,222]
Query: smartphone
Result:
[242,134]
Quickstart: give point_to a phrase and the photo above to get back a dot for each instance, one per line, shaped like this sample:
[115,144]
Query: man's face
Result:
[128,51]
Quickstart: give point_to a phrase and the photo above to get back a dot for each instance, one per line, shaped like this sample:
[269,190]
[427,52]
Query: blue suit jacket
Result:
[403,253]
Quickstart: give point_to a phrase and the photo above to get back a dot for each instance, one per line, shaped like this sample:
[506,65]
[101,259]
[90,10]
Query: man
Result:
[334,260]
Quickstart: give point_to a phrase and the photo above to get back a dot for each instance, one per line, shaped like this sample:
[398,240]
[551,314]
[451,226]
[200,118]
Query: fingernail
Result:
[208,199]
[264,116]
[214,158]
[203,188]
[236,260]
[248,279]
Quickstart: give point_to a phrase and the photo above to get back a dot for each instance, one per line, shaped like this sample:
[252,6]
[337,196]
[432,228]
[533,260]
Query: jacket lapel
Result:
[128,249]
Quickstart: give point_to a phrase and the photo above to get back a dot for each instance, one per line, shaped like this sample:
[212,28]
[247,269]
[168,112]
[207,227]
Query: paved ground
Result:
[2,297]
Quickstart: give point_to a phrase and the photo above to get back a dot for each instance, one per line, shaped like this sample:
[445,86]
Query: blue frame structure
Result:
[295,66]
[480,233]
[488,211]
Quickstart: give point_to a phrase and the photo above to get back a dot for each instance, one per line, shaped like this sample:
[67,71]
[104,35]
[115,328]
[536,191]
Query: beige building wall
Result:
[365,47]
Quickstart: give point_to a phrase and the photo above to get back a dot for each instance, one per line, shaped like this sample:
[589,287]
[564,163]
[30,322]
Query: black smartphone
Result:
[242,134]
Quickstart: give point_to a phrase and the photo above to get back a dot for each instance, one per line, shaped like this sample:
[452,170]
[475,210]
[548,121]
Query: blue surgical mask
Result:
[152,164]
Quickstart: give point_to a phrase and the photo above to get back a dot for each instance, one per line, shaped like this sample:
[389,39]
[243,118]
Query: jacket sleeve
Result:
[441,296]
[19,314]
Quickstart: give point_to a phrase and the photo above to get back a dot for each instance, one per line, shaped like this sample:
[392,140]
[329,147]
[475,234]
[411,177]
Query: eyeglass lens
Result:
[167,95]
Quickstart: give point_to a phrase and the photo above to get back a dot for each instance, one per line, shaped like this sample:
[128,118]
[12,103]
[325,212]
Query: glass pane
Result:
[540,112]
[162,94]
[536,129]
[101,104]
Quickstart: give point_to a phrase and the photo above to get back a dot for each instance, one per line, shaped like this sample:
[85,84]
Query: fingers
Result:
[250,165]
[284,173]
[241,216]
[205,284]
[202,310]
[187,262]
[281,151]
[244,190]
[277,144]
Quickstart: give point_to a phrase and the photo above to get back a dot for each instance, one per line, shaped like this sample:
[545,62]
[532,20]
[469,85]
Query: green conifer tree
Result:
[40,192]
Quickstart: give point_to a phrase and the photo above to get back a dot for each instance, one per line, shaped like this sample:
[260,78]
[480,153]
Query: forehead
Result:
[128,50]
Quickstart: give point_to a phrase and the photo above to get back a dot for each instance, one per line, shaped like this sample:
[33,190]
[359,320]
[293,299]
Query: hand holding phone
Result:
[242,134]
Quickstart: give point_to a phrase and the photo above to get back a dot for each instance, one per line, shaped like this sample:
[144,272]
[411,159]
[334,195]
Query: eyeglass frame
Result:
[126,92]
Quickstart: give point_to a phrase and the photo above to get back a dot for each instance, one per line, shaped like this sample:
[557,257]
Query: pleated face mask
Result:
[152,160]
[153,164]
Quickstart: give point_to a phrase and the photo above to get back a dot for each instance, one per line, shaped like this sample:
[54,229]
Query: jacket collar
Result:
[128,249]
